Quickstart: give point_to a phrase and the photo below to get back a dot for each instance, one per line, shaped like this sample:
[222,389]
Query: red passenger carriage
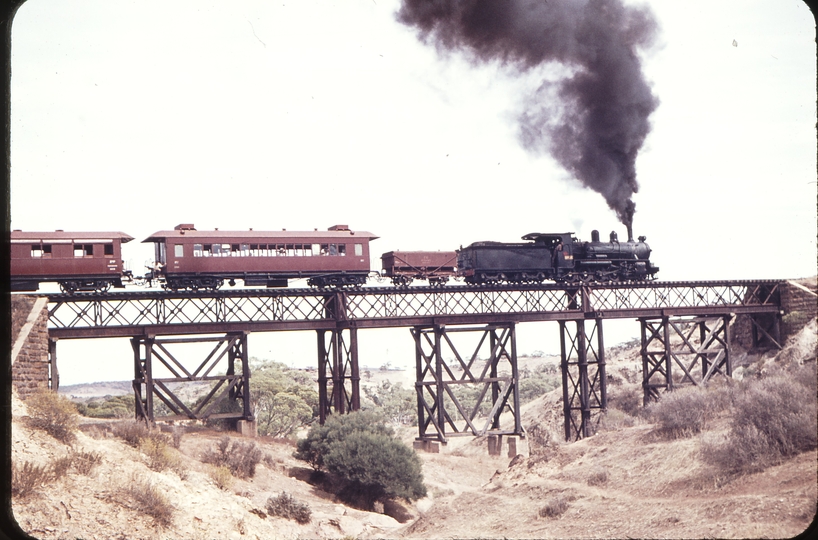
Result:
[78,261]
[192,259]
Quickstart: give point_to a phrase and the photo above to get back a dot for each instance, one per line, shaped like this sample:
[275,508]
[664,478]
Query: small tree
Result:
[359,449]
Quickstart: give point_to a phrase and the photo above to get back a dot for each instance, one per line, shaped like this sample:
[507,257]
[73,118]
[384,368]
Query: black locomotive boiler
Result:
[556,256]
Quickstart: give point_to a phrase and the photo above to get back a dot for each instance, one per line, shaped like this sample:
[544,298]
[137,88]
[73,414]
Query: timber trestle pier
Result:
[685,339]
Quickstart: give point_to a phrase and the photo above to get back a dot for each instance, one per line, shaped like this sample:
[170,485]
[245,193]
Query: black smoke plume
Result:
[594,118]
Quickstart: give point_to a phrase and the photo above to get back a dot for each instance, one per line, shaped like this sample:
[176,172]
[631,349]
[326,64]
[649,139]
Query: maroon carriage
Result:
[404,266]
[191,259]
[78,261]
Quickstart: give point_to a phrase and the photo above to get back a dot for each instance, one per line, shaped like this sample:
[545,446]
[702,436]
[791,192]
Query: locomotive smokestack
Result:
[590,112]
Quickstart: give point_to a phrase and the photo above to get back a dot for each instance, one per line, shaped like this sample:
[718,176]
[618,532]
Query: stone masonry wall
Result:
[800,306]
[29,370]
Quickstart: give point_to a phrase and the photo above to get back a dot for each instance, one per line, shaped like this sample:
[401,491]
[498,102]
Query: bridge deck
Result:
[258,310]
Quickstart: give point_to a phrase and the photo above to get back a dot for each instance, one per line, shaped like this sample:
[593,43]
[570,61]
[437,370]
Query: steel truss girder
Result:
[439,406]
[683,351]
[584,388]
[233,383]
[101,315]
[338,372]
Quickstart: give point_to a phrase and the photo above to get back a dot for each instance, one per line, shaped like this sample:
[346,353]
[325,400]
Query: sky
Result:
[138,116]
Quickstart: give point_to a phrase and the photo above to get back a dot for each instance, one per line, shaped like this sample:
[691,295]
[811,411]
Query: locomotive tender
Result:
[189,259]
[556,256]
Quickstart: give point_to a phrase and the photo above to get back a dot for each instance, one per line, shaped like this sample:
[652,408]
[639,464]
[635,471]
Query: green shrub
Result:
[108,407]
[240,457]
[363,452]
[285,506]
[320,437]
[54,414]
[396,403]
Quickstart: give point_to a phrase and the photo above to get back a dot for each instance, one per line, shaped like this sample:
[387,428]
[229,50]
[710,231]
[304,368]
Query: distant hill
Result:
[96,389]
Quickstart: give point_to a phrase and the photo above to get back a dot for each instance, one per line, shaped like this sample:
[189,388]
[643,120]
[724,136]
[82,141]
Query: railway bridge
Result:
[685,339]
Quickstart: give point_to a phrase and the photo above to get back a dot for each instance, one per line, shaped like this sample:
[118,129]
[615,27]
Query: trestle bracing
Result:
[766,330]
[53,372]
[453,399]
[339,377]
[582,364]
[229,395]
[683,351]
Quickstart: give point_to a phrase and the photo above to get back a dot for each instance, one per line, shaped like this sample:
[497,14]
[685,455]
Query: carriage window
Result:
[36,251]
[178,250]
[234,250]
[216,250]
[83,250]
[197,250]
[207,251]
[359,250]
[245,250]
[316,249]
[109,249]
[342,249]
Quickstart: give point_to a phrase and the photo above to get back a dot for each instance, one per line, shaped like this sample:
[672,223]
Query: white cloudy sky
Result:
[137,116]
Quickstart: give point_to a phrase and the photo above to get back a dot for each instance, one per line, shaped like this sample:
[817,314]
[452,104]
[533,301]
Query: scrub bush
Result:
[287,507]
[54,414]
[366,458]
[240,457]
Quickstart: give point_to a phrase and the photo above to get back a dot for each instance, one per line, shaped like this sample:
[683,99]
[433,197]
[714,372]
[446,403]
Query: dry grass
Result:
[54,414]
[150,500]
[162,457]
[598,477]
[27,478]
[555,507]
[687,411]
[222,476]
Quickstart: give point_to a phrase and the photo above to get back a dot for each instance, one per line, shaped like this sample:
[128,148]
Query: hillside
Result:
[625,481]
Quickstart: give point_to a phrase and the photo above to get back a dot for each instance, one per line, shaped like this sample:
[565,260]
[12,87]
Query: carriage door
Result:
[161,254]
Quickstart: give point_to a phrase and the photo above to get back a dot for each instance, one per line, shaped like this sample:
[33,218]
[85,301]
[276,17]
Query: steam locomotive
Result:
[187,259]
[557,257]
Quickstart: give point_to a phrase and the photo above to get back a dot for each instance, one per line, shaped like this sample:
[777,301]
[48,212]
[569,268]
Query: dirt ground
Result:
[622,482]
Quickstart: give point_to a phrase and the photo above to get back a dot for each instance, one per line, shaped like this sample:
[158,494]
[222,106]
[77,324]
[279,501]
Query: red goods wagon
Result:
[404,266]
[78,261]
[191,259]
